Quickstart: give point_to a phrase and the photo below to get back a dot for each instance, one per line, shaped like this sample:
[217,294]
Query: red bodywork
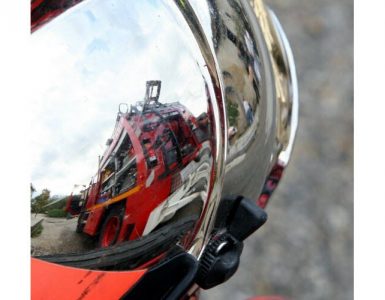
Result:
[270,185]
[152,135]
[53,281]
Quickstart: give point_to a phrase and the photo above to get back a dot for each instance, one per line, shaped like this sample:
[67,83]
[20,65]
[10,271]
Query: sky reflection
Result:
[89,60]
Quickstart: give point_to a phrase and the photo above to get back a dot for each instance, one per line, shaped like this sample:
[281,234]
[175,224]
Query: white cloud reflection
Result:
[89,61]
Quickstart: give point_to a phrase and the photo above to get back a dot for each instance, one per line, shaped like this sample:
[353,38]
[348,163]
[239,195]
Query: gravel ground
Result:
[58,237]
[305,250]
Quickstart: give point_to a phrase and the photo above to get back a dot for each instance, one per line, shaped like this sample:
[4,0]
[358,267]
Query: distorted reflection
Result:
[157,161]
[240,64]
[249,104]
[156,169]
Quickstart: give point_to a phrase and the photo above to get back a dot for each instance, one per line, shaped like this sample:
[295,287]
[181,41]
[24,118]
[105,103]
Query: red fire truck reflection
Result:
[155,170]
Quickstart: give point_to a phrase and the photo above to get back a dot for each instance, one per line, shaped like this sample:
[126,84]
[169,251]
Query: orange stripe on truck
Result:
[117,198]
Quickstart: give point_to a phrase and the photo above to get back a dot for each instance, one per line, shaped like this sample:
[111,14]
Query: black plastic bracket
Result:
[237,219]
[169,280]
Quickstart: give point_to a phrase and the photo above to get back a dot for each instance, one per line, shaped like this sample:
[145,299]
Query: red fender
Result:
[53,281]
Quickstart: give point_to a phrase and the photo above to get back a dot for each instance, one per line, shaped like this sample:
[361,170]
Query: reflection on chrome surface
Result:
[156,168]
[249,96]
[200,111]
[154,172]
[160,164]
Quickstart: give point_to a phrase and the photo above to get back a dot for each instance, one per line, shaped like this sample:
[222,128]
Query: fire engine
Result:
[156,168]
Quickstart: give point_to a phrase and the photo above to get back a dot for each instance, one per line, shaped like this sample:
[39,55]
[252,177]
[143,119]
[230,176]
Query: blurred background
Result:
[305,250]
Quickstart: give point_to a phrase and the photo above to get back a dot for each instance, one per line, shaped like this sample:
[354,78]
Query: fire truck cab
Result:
[156,155]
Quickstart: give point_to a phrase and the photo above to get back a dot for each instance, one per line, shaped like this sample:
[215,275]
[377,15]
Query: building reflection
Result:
[240,64]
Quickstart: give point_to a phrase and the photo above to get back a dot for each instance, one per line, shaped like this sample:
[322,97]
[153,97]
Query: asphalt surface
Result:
[305,250]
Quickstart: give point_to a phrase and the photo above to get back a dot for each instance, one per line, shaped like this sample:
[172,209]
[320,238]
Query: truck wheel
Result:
[111,228]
